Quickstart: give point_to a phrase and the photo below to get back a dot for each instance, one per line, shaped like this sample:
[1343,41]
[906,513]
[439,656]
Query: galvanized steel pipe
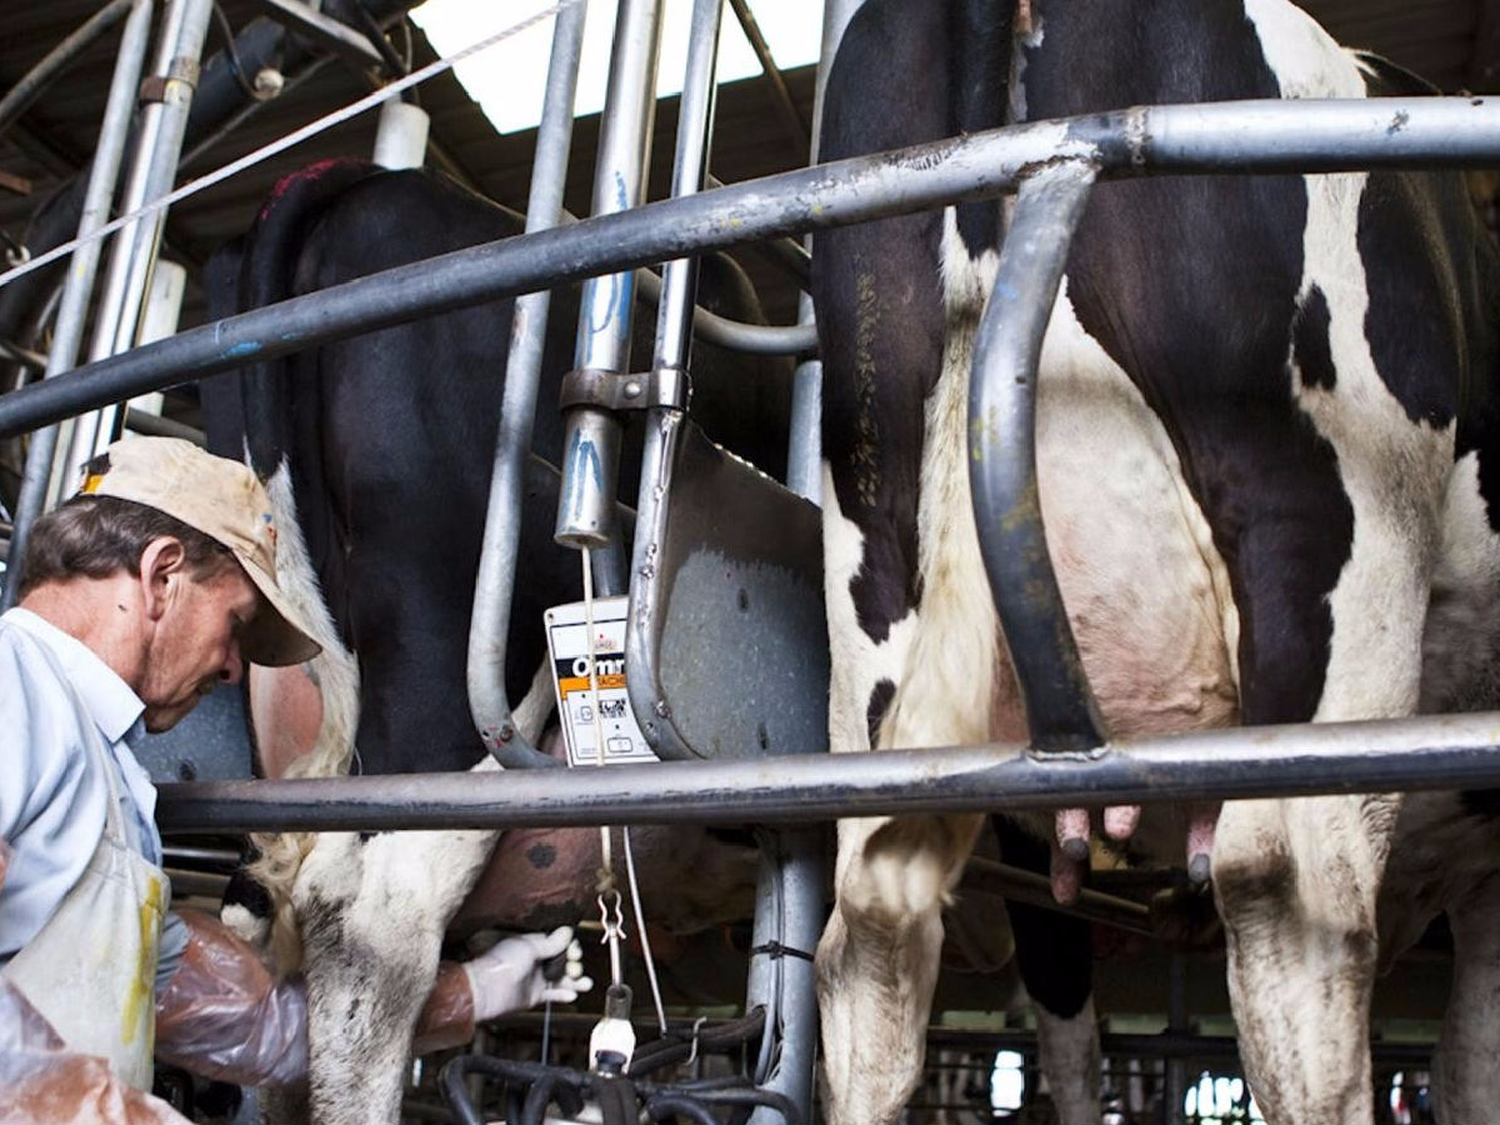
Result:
[1365,133]
[1423,753]
[494,586]
[591,441]
[163,125]
[78,286]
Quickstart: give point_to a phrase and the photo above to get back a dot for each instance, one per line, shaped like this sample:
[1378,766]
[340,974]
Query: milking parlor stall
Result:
[553,465]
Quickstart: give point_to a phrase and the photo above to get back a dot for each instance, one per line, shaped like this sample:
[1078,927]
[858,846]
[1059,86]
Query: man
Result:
[150,587]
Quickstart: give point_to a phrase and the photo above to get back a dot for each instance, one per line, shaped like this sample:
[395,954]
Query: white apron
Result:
[91,970]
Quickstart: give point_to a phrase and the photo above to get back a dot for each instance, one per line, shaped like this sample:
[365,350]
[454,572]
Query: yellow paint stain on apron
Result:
[142,988]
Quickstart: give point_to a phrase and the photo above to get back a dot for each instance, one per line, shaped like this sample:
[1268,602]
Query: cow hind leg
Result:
[1054,953]
[373,912]
[1466,1080]
[878,958]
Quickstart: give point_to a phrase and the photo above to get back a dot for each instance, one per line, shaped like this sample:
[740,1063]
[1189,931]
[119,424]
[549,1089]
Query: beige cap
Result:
[224,500]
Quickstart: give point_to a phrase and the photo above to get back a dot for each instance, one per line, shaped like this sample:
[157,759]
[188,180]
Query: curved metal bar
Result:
[1060,706]
[494,585]
[1269,136]
[737,335]
[1424,753]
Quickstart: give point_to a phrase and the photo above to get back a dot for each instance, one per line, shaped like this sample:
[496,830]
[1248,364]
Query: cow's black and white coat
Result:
[1267,445]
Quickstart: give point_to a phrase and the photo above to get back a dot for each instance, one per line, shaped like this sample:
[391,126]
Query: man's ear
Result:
[163,562]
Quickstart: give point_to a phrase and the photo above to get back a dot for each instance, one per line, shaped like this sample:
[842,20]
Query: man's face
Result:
[196,645]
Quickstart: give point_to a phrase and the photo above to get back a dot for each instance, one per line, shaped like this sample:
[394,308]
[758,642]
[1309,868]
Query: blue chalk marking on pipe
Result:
[238,351]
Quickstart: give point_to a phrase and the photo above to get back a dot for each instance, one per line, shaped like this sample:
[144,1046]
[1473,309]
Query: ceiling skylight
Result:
[508,79]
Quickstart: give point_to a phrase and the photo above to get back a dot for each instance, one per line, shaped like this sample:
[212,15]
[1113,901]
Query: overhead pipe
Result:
[221,102]
[1267,136]
[78,286]
[20,97]
[1425,753]
[494,586]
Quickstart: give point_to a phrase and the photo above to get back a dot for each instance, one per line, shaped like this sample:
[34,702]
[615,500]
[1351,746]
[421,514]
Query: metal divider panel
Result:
[739,645]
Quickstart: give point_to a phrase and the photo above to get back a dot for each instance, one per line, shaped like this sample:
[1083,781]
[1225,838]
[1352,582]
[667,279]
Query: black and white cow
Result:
[378,452]
[1267,444]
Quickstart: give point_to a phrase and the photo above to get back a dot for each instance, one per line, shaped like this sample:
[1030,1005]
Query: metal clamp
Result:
[157,87]
[611,390]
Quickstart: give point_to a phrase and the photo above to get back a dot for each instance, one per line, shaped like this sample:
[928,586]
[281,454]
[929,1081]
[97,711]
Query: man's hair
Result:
[97,536]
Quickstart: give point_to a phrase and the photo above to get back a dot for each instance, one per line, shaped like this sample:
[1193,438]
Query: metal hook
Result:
[693,1054]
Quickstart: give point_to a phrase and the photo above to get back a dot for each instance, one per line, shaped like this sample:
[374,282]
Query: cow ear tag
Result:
[585,720]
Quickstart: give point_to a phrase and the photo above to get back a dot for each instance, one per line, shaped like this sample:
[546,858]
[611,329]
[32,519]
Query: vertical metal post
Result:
[79,285]
[493,589]
[804,473]
[789,903]
[591,443]
[674,319]
[1175,1093]
[163,124]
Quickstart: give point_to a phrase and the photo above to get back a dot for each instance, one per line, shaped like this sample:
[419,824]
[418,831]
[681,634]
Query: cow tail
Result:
[264,403]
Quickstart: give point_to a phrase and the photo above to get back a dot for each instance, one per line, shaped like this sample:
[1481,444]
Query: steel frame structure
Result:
[1052,166]
[1223,137]
[1053,163]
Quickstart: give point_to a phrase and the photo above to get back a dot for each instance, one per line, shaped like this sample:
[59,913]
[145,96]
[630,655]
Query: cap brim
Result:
[274,638]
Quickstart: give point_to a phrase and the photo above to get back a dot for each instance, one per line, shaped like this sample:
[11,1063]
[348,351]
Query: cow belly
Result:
[1147,592]
[540,878]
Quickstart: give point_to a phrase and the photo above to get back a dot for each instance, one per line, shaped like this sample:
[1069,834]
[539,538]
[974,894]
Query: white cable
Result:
[328,121]
[606,856]
[640,926]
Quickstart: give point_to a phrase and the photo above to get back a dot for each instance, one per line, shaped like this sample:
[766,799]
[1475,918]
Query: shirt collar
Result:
[114,707]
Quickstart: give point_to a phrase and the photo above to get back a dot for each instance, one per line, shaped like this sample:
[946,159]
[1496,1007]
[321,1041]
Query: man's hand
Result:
[513,974]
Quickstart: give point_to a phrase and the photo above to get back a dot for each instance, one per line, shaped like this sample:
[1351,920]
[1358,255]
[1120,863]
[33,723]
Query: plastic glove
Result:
[224,1016]
[512,974]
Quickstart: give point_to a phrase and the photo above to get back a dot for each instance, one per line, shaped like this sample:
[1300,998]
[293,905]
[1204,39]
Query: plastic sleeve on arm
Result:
[224,1016]
[41,1080]
[447,1019]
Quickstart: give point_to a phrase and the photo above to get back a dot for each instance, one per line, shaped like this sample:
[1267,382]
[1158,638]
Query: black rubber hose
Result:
[679,1105]
[756,1097]
[665,1052]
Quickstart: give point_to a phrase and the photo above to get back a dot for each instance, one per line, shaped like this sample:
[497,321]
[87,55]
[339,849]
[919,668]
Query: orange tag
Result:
[91,483]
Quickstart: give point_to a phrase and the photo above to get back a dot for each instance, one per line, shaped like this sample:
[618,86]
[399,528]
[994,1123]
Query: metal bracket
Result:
[183,70]
[328,33]
[670,387]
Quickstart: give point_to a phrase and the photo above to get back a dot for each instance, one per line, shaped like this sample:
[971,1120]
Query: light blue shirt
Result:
[56,698]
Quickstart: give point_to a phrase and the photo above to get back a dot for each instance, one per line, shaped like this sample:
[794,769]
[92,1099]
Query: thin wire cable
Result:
[640,928]
[296,137]
[607,861]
